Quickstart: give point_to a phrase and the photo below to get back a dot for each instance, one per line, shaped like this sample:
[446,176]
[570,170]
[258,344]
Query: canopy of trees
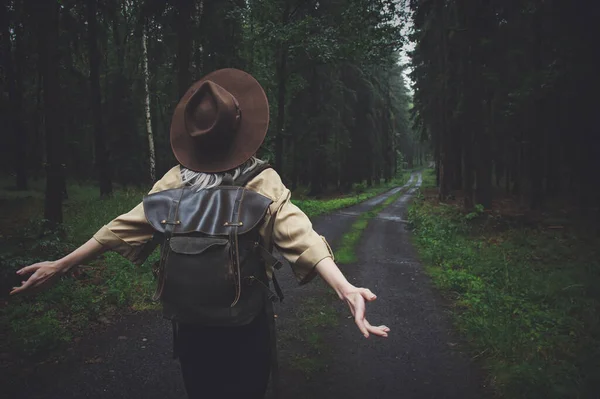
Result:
[90,86]
[506,92]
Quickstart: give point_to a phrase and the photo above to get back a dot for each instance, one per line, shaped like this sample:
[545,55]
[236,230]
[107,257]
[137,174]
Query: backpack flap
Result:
[207,211]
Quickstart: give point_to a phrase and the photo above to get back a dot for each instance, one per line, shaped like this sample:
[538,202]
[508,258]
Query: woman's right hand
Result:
[42,274]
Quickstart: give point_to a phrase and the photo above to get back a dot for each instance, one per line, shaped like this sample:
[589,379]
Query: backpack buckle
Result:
[233,224]
[176,222]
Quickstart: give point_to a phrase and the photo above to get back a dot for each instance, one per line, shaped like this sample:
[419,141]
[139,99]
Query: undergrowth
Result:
[527,299]
[31,325]
[313,317]
[316,207]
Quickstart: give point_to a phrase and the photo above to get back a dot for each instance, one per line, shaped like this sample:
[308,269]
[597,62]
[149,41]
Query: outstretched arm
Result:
[353,296]
[45,272]
[127,235]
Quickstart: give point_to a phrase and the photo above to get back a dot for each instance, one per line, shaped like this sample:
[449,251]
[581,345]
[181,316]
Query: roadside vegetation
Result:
[524,293]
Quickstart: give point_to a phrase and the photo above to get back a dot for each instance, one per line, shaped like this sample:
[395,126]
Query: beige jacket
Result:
[292,234]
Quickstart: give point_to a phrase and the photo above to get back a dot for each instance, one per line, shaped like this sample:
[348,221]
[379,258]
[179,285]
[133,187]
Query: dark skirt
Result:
[225,362]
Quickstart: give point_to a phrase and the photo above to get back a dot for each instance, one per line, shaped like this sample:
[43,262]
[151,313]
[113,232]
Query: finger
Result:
[24,285]
[368,295]
[29,269]
[383,327]
[378,331]
[359,317]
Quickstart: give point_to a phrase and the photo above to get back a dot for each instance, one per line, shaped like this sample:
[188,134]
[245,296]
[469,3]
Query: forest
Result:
[490,102]
[504,92]
[90,87]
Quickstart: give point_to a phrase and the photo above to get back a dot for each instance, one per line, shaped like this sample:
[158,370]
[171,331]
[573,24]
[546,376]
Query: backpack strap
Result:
[170,222]
[265,253]
[234,255]
[246,177]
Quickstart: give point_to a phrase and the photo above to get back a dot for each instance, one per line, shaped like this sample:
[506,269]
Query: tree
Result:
[46,17]
[147,107]
[13,70]
[101,153]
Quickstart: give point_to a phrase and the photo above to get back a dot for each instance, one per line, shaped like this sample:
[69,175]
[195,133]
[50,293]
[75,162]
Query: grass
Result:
[316,207]
[313,316]
[31,325]
[429,178]
[526,298]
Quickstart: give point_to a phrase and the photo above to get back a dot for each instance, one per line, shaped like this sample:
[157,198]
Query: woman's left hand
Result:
[355,298]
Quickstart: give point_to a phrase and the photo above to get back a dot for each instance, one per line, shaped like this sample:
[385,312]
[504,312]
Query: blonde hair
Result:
[202,181]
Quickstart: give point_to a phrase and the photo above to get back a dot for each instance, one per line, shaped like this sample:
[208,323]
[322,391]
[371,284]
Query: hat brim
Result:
[248,137]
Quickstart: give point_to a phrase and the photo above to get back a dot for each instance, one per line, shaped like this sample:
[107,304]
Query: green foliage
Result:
[346,252]
[524,298]
[314,316]
[428,179]
[315,207]
[31,334]
[51,317]
[359,188]
[478,211]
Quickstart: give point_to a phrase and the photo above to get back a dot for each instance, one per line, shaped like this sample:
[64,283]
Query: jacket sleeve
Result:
[293,233]
[130,234]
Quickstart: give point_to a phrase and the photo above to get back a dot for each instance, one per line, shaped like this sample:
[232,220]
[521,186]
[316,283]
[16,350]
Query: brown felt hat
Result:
[220,122]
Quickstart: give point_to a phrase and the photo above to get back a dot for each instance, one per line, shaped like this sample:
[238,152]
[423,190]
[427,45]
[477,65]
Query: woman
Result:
[216,129]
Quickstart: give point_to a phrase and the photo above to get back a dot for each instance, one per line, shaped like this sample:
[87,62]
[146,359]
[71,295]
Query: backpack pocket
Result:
[195,245]
[199,285]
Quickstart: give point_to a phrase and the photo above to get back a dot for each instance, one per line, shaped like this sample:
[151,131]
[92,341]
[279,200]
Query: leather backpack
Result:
[212,261]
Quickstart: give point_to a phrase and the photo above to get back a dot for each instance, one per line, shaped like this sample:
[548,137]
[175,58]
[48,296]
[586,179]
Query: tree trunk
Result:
[14,80]
[319,154]
[538,136]
[121,119]
[295,163]
[47,23]
[457,181]
[102,164]
[197,63]
[39,148]
[484,156]
[280,126]
[467,173]
[281,86]
[184,45]
[447,155]
[147,107]
[483,191]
